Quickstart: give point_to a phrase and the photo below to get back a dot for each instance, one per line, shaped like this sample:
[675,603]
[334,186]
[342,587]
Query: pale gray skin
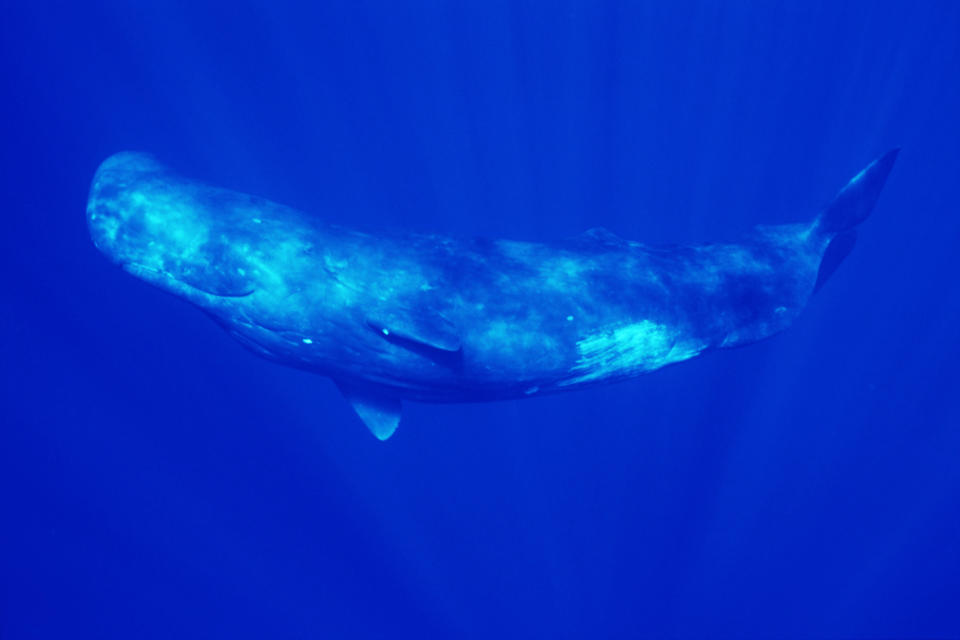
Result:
[398,316]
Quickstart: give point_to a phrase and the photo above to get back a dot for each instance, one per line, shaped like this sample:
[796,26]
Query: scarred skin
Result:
[441,319]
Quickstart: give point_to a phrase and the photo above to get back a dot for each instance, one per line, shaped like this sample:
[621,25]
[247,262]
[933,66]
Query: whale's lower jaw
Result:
[169,282]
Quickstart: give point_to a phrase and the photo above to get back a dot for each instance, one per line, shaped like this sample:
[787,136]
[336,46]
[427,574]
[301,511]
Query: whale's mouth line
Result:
[139,270]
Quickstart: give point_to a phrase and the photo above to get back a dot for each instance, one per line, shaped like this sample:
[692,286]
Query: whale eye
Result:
[214,269]
[217,281]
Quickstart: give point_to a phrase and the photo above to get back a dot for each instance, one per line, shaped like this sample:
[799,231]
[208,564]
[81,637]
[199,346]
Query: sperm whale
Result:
[393,316]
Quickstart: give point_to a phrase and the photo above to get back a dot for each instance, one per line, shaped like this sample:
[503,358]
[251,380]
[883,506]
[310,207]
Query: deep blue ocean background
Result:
[158,481]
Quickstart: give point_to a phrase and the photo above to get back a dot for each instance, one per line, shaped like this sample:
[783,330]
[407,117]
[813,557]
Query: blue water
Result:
[158,481]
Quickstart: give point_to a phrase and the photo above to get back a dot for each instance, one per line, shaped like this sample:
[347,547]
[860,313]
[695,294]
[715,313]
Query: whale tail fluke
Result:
[856,200]
[837,223]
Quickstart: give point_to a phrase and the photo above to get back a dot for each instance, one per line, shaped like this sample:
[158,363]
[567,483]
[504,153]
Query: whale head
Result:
[167,231]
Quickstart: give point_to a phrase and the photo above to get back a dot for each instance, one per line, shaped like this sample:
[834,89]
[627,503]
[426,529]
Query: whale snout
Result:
[115,212]
[147,220]
[109,225]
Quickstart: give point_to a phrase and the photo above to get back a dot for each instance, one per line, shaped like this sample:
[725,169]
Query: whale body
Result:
[393,316]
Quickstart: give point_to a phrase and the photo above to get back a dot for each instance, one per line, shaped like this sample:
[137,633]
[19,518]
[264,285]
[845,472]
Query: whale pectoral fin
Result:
[380,413]
[430,330]
[433,337]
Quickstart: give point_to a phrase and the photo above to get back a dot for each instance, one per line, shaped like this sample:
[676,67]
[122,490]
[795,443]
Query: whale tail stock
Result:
[837,223]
